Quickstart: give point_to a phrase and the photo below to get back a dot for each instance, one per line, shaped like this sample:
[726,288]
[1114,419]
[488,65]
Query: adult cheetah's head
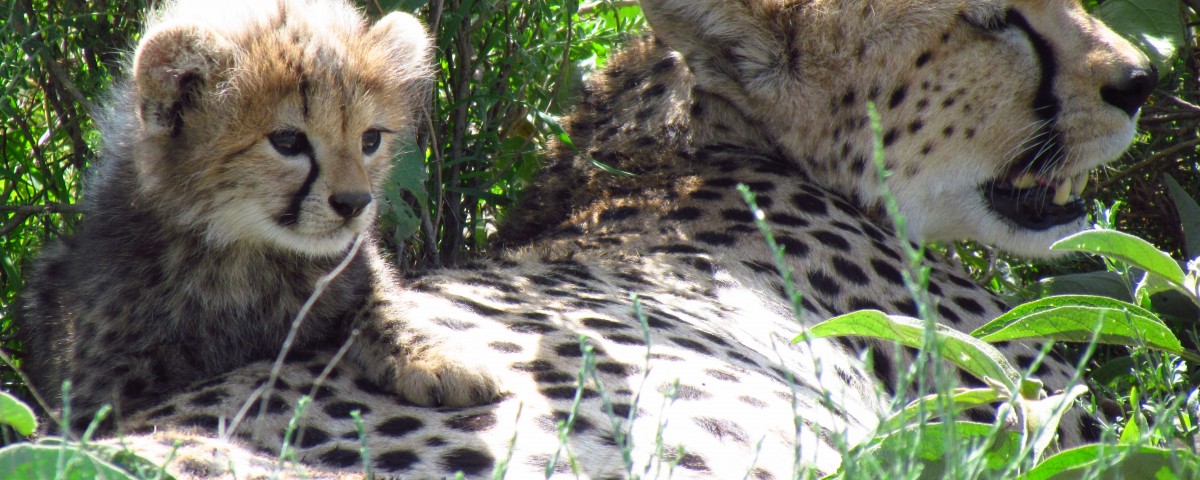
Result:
[993,111]
[271,123]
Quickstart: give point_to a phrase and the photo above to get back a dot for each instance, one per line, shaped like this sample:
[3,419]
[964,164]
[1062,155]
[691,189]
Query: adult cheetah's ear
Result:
[402,40]
[730,42]
[171,64]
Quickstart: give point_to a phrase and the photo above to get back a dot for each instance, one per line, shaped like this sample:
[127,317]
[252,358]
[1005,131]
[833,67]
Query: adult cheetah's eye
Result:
[289,142]
[370,141]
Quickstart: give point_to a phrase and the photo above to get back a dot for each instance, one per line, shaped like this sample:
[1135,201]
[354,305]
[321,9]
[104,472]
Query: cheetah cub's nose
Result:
[349,205]
[1130,94]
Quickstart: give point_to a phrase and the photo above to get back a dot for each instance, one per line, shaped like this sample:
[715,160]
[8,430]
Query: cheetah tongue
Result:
[1037,203]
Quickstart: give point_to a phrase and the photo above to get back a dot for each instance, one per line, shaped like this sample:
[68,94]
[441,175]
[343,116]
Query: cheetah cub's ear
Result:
[171,65]
[406,56]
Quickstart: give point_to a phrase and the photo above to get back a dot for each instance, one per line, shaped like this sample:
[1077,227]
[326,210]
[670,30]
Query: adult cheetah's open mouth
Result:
[1035,202]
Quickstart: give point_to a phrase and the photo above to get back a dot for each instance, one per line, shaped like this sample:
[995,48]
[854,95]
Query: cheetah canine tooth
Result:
[1081,182]
[1024,181]
[1062,193]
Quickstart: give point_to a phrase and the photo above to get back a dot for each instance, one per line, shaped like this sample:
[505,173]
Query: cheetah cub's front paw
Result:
[433,379]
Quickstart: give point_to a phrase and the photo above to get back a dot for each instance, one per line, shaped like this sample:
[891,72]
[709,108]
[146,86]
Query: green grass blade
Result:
[1126,248]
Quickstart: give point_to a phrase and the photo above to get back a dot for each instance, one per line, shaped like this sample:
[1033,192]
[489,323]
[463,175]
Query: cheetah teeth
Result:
[1064,190]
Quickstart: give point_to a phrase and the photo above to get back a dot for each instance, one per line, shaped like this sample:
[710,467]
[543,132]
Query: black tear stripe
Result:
[1048,148]
[292,215]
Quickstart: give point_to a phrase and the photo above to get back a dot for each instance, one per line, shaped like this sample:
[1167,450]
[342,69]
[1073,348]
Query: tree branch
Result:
[21,212]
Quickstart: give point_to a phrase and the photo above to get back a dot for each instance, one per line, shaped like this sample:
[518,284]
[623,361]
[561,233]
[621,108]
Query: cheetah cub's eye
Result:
[370,141]
[289,142]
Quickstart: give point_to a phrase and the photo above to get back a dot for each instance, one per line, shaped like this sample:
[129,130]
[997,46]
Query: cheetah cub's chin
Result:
[241,159]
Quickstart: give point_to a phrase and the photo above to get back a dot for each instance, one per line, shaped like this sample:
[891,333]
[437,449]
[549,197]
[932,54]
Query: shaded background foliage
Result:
[506,71]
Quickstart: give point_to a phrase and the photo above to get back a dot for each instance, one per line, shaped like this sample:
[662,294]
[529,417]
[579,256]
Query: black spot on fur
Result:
[887,271]
[399,426]
[831,239]
[468,461]
[969,305]
[618,213]
[312,437]
[684,214]
[897,96]
[533,366]
[948,315]
[566,392]
[792,246]
[692,345]
[850,270]
[810,204]
[396,460]
[472,423]
[531,327]
[340,458]
[693,462]
[716,239]
[505,347]
[823,283]
[343,409]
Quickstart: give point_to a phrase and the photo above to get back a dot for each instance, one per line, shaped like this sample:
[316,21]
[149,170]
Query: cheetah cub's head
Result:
[993,111]
[271,123]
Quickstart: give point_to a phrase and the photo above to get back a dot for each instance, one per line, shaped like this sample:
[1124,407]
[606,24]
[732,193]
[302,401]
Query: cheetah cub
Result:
[241,160]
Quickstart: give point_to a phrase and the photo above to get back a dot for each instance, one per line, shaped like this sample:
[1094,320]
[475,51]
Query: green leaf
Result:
[1002,446]
[1131,433]
[962,399]
[1118,462]
[1126,248]
[1104,284]
[1155,26]
[25,460]
[1075,318]
[1189,213]
[1042,417]
[15,413]
[970,354]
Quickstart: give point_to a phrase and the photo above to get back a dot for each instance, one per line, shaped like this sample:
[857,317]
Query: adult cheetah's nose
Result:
[1132,91]
[349,205]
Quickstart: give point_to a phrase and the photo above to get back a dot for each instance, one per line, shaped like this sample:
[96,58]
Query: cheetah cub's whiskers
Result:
[242,163]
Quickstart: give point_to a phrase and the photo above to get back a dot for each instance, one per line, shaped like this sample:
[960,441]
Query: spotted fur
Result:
[697,378]
[241,160]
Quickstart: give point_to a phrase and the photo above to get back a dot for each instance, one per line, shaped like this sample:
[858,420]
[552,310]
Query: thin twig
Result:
[322,283]
[588,8]
[1135,168]
[22,212]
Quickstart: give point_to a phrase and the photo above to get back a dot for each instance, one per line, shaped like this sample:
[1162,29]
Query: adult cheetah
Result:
[993,111]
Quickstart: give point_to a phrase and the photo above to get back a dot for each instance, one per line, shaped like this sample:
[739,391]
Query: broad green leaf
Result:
[962,399]
[1189,213]
[15,413]
[1079,318]
[1131,433]
[1002,446]
[1103,284]
[1126,248]
[24,461]
[1156,26]
[970,354]
[1118,462]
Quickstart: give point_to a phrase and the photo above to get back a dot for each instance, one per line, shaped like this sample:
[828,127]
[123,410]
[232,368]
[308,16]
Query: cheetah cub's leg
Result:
[414,360]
